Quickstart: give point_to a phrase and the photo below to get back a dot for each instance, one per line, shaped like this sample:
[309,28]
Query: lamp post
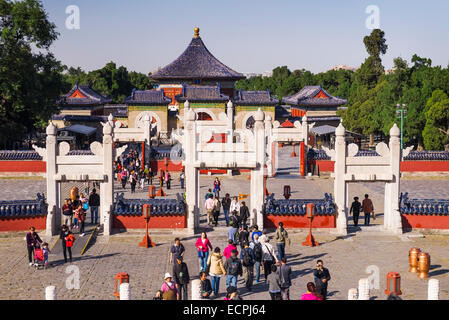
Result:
[401,113]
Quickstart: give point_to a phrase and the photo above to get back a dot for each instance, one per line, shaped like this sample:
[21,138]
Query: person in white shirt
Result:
[209,205]
[235,206]
[268,256]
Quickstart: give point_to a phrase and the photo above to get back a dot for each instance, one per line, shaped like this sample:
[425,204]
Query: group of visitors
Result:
[366,206]
[254,255]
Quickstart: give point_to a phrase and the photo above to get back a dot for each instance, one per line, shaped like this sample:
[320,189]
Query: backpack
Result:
[234,267]
[247,260]
[258,251]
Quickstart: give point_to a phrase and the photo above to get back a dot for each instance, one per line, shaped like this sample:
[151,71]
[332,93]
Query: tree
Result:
[436,131]
[30,82]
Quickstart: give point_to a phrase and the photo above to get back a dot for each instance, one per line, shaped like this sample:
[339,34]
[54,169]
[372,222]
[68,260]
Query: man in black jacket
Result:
[94,203]
[181,277]
[285,278]
[206,287]
[233,267]
[244,213]
[322,277]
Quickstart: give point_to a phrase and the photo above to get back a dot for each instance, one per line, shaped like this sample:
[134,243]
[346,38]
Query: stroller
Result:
[39,260]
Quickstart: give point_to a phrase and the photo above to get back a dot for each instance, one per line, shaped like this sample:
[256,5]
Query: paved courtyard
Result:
[346,257]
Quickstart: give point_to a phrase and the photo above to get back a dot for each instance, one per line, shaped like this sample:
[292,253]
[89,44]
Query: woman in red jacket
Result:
[203,244]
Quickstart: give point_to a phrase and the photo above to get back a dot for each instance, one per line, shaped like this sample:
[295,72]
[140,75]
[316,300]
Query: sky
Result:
[247,35]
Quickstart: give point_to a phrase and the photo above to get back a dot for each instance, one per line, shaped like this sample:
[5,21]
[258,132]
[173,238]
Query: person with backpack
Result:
[182,278]
[248,261]
[285,273]
[281,237]
[233,267]
[216,269]
[256,246]
[226,204]
[268,257]
[168,289]
[243,236]
[216,210]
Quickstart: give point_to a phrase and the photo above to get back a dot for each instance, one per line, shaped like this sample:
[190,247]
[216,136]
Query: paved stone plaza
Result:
[347,258]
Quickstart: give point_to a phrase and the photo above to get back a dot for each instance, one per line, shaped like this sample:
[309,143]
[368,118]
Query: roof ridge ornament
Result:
[196,32]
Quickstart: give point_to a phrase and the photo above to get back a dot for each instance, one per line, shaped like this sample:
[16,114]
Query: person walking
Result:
[182,278]
[142,178]
[235,206]
[217,187]
[248,260]
[176,250]
[209,194]
[355,210]
[226,204]
[67,213]
[244,214]
[243,236]
[274,284]
[168,179]
[33,241]
[203,244]
[268,257]
[285,273]
[255,231]
[182,177]
[168,288]
[233,267]
[321,276]
[281,237]
[256,246]
[367,208]
[227,251]
[311,294]
[133,181]
[216,269]
[209,206]
[124,178]
[232,234]
[216,210]
[94,203]
[81,219]
[67,239]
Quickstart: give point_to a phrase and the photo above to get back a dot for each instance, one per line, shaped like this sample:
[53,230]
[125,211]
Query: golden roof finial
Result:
[197,32]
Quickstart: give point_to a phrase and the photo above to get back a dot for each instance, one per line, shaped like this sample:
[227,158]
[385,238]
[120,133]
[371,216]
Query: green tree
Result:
[436,131]
[30,80]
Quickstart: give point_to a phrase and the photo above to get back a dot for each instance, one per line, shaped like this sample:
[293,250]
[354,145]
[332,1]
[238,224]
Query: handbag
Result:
[86,206]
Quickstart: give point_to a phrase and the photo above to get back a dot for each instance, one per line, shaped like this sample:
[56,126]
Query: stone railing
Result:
[323,207]
[159,207]
[23,208]
[423,206]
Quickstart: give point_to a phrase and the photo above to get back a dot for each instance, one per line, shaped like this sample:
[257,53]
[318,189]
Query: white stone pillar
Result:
[50,293]
[257,186]
[305,135]
[191,172]
[230,127]
[147,135]
[339,180]
[269,147]
[54,211]
[364,289]
[353,294]
[107,186]
[433,292]
[196,289]
[125,291]
[394,216]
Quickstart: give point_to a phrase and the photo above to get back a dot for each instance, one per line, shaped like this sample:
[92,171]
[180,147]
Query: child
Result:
[75,219]
[81,218]
[45,251]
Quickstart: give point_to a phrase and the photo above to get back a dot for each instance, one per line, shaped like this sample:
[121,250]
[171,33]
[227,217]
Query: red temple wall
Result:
[138,222]
[23,223]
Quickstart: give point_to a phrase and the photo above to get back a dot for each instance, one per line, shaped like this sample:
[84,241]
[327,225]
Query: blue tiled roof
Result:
[159,207]
[197,62]
[23,208]
[201,93]
[19,155]
[91,96]
[323,207]
[254,98]
[305,98]
[147,97]
[70,117]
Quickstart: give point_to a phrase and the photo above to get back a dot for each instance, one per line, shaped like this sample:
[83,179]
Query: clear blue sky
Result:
[247,35]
